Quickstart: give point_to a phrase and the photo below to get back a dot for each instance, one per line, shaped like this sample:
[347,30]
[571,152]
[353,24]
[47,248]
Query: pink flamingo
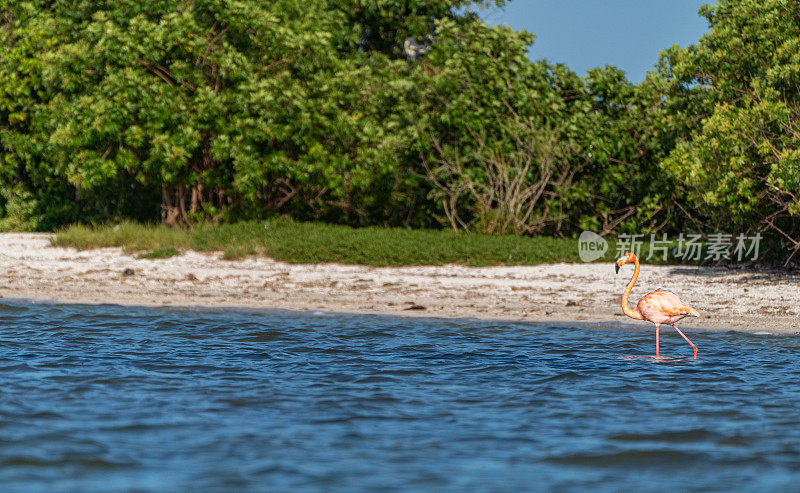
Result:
[658,307]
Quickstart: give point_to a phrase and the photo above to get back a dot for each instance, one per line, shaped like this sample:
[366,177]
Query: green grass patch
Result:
[160,253]
[238,251]
[290,241]
[295,242]
[128,235]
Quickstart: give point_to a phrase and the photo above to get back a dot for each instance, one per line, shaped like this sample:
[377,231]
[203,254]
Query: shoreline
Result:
[559,294]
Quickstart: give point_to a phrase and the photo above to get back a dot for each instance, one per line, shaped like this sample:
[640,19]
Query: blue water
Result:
[106,398]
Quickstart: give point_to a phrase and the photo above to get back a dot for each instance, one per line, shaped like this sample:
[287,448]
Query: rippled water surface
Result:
[105,398]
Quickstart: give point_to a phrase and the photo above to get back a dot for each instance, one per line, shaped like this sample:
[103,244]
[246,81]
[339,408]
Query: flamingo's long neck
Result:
[625,308]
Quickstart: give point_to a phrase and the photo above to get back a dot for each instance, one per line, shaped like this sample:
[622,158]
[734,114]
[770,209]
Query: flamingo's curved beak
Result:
[616,267]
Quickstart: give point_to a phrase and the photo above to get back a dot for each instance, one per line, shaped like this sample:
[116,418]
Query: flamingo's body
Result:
[659,307]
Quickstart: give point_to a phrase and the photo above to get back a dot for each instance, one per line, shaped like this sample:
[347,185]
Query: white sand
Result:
[583,293]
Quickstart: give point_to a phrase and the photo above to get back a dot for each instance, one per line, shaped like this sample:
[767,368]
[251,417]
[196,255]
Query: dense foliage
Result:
[185,111]
[734,104]
[202,109]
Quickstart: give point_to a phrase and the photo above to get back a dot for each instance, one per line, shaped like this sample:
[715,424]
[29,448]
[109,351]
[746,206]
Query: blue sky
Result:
[587,33]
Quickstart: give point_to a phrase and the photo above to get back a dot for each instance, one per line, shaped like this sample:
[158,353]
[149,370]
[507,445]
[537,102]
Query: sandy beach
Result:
[559,293]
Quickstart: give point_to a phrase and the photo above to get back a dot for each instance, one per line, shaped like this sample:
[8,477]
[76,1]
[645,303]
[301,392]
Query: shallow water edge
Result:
[622,323]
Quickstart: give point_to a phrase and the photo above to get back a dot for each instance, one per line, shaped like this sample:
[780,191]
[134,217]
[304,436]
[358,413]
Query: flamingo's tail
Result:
[693,312]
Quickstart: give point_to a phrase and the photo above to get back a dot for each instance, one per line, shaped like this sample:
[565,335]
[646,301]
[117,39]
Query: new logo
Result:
[591,246]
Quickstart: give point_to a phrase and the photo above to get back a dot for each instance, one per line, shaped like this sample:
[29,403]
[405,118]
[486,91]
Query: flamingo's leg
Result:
[687,340]
[656,340]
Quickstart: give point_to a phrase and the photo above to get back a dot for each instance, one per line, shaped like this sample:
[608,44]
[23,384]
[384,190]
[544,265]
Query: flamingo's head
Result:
[628,257]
